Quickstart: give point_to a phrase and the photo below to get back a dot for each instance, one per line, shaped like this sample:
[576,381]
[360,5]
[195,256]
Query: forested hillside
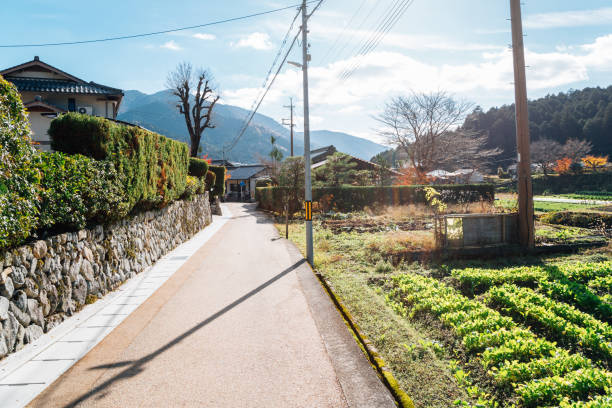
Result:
[585,114]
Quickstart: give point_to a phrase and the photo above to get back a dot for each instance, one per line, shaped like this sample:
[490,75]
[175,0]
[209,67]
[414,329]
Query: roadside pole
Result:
[290,124]
[308,187]
[525,192]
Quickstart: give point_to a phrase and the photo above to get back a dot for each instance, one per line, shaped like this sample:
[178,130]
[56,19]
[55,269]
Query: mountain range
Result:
[158,112]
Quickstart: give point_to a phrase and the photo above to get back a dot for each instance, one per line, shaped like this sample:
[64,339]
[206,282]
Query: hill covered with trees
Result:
[578,114]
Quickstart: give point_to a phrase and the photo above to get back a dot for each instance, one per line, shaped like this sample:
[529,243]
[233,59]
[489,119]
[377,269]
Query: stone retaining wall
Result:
[44,282]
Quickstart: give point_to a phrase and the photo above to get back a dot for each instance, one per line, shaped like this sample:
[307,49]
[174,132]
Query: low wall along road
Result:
[43,283]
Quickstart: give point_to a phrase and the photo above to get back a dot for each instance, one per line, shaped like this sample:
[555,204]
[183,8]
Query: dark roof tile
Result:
[61,86]
[245,172]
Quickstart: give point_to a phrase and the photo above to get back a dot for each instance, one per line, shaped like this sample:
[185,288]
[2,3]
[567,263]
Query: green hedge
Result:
[152,168]
[578,219]
[18,179]
[570,183]
[198,167]
[218,189]
[76,189]
[355,198]
[210,180]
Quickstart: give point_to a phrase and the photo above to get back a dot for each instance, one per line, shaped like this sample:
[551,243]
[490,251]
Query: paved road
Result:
[243,323]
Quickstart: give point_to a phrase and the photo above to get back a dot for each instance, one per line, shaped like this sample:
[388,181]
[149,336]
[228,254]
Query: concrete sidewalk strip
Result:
[26,373]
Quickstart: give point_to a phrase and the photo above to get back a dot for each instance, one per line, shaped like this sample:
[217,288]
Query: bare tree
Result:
[545,152]
[291,179]
[183,82]
[576,149]
[427,128]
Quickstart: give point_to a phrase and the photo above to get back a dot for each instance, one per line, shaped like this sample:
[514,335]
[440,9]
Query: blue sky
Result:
[458,46]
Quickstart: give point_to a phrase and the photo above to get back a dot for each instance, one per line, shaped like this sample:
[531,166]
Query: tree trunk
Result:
[286,219]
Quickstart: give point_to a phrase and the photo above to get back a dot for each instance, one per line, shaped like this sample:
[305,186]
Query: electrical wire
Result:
[252,114]
[393,16]
[359,27]
[394,13]
[278,54]
[366,39]
[172,30]
[329,50]
[229,147]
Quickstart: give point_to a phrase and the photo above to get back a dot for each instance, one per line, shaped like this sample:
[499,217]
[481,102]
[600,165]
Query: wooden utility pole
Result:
[525,192]
[290,124]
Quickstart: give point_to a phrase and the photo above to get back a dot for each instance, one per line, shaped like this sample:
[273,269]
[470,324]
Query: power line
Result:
[278,54]
[329,51]
[172,30]
[359,27]
[364,37]
[388,23]
[254,111]
[249,117]
[252,114]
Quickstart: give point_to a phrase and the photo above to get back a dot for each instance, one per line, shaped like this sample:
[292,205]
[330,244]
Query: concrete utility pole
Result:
[308,187]
[525,192]
[290,124]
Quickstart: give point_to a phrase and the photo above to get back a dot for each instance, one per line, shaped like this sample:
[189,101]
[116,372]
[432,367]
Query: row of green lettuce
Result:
[101,171]
[356,198]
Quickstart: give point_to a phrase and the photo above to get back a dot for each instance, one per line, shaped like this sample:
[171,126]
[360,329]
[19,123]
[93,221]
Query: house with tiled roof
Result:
[242,178]
[47,91]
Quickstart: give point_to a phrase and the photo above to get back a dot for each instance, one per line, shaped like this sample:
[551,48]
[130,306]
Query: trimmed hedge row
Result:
[569,183]
[218,189]
[577,219]
[152,168]
[76,189]
[355,198]
[198,167]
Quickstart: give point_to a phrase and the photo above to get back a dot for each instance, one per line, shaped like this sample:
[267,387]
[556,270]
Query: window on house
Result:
[71,105]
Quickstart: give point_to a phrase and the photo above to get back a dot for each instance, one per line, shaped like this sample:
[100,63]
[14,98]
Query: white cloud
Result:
[257,41]
[404,41]
[204,36]
[350,104]
[599,53]
[578,18]
[171,45]
[351,109]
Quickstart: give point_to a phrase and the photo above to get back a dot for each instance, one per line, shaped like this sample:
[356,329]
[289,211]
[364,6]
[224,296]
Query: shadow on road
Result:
[135,367]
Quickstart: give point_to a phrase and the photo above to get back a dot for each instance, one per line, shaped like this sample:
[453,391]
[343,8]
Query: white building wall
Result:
[101,106]
[39,125]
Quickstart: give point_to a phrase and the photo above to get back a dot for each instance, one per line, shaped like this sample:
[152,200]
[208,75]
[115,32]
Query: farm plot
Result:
[541,334]
[535,334]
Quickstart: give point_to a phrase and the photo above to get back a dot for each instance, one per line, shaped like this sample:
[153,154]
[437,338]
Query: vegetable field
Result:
[541,334]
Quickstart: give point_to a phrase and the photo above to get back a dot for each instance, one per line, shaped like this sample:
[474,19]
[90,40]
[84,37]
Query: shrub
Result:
[75,189]
[577,219]
[18,210]
[570,183]
[209,181]
[192,187]
[219,187]
[355,198]
[198,167]
[153,168]
[263,182]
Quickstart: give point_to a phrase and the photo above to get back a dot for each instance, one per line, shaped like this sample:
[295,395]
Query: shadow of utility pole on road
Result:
[136,366]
